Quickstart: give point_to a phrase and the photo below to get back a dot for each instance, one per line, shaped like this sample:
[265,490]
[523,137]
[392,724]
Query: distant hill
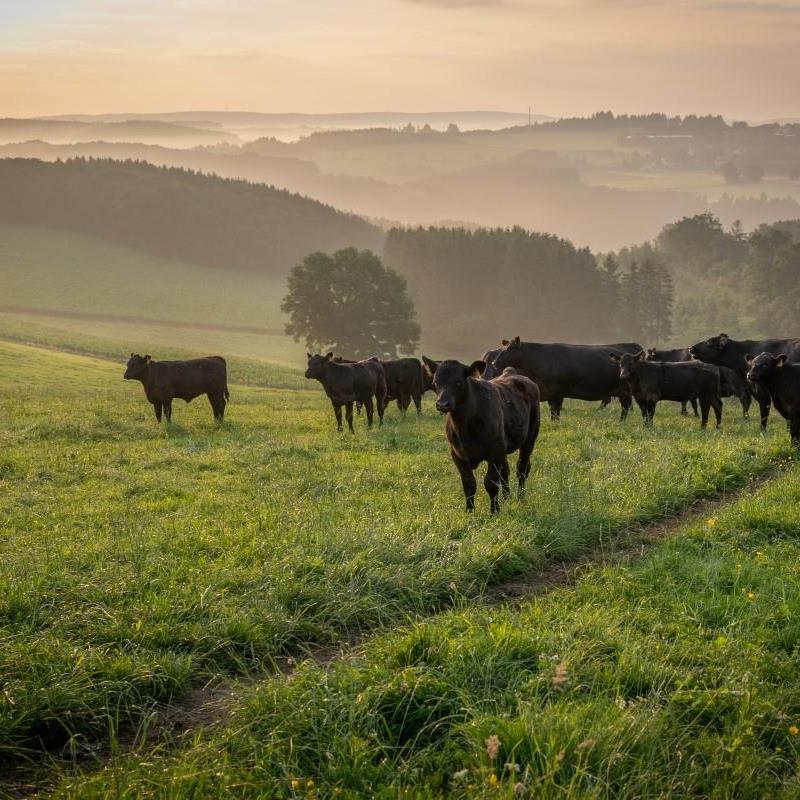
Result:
[196,218]
[144,131]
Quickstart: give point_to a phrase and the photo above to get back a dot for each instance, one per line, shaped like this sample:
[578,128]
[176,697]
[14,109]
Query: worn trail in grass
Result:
[140,561]
[674,676]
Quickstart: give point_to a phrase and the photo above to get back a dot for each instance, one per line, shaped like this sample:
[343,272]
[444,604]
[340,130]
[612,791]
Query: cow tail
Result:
[227,394]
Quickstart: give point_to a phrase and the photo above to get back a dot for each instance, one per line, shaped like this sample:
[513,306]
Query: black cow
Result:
[774,375]
[651,381]
[404,382]
[486,421]
[726,352]
[671,356]
[732,384]
[580,371]
[164,381]
[346,383]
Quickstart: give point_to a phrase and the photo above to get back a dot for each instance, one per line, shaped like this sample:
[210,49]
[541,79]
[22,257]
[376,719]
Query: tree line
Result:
[177,213]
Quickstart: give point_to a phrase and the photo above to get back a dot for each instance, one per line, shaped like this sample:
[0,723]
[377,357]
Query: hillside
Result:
[178,214]
[73,284]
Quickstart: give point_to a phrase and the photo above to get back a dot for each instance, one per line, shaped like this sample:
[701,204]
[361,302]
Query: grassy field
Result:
[139,561]
[672,677]
[83,285]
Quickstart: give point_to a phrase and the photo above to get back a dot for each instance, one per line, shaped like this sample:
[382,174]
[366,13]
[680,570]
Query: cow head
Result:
[710,350]
[450,381]
[136,368]
[760,368]
[628,363]
[509,356]
[317,366]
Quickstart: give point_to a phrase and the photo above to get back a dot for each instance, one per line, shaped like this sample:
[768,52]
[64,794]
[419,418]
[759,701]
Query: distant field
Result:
[84,285]
[138,561]
[710,185]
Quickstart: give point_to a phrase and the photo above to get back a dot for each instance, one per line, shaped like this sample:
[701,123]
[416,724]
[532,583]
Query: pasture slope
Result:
[83,285]
[140,562]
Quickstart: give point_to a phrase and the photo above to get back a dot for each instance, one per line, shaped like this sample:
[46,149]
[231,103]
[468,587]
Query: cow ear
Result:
[132,354]
[723,339]
[641,355]
[308,355]
[475,369]
[781,359]
[516,341]
[748,358]
[615,357]
[328,356]
[147,359]
[504,342]
[430,366]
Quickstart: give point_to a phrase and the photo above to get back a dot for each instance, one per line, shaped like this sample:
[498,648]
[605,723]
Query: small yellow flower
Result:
[309,784]
[711,522]
[778,749]
[493,779]
[794,730]
[295,783]
[750,595]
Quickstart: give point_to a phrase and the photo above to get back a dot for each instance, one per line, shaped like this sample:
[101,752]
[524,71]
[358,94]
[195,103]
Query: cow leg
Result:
[764,404]
[626,403]
[493,483]
[157,409]
[745,398]
[217,406]
[555,408]
[693,401]
[705,405]
[684,412]
[794,428]
[337,409]
[505,471]
[716,404]
[643,407]
[651,411]
[524,462]
[468,482]
[605,403]
[380,402]
[417,398]
[168,408]
[368,407]
[348,412]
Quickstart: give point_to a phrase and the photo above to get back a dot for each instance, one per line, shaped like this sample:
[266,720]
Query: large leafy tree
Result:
[350,303]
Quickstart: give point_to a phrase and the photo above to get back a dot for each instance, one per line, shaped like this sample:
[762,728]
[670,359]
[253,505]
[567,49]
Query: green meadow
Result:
[140,562]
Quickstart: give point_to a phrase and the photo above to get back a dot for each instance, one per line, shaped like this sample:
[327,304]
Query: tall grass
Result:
[139,560]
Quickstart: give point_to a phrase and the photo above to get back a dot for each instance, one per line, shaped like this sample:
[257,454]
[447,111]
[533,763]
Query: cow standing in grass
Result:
[486,421]
[781,380]
[726,352]
[164,381]
[580,371]
[348,383]
[651,381]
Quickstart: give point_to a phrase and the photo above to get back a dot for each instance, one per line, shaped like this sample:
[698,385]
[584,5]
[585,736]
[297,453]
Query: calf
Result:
[651,381]
[404,382]
[486,421]
[773,374]
[671,356]
[163,381]
[348,383]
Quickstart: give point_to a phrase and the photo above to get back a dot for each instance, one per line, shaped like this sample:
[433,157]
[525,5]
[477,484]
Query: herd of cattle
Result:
[492,405]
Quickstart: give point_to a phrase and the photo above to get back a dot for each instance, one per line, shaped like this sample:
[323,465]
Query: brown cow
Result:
[163,381]
[346,384]
[486,421]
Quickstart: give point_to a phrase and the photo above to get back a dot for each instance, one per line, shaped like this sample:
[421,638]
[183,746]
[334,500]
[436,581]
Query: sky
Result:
[740,58]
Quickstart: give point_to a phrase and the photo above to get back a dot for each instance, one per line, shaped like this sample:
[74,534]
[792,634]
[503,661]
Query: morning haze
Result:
[321,326]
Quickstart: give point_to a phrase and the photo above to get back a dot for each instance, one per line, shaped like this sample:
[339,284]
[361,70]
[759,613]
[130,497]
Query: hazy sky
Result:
[736,57]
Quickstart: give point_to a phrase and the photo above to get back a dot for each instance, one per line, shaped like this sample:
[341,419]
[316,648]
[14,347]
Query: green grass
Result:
[140,560]
[673,676]
[82,285]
